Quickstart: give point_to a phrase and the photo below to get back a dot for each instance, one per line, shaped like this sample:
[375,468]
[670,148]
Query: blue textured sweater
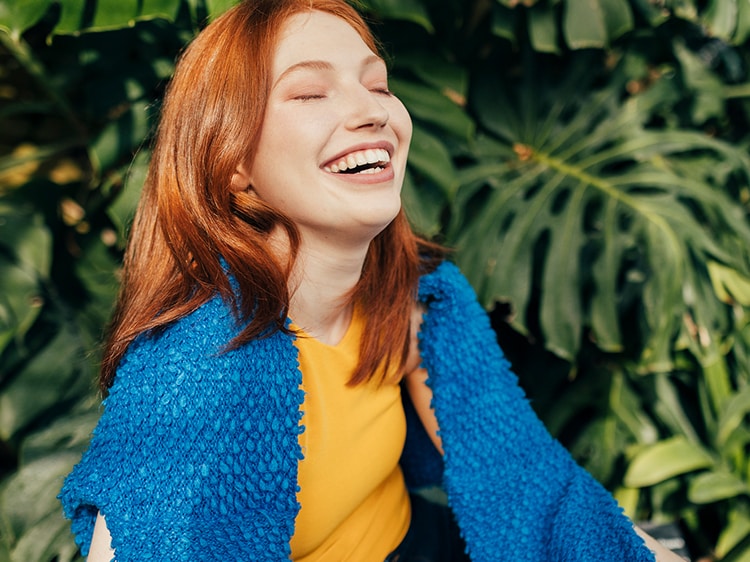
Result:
[195,456]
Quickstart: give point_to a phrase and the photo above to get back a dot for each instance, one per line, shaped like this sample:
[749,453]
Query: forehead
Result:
[317,35]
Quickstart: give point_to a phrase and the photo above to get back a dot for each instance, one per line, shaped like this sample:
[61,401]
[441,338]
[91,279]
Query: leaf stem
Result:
[737,91]
[608,189]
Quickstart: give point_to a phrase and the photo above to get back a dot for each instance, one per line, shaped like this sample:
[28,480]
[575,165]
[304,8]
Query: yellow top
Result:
[354,500]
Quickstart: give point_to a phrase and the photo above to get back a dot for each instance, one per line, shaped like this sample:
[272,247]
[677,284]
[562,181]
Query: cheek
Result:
[265,168]
[296,136]
[276,146]
[401,122]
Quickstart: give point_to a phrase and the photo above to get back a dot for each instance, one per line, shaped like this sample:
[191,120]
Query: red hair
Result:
[189,219]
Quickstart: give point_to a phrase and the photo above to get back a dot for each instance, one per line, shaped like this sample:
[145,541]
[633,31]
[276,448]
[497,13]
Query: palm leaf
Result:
[595,218]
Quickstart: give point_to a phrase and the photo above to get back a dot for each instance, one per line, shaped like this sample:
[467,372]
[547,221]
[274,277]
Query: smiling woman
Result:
[332,91]
[288,362]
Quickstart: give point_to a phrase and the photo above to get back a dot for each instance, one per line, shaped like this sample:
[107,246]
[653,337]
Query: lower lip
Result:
[384,175]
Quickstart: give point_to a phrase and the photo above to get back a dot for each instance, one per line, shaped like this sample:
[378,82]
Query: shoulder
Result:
[455,328]
[211,324]
[194,351]
[197,337]
[450,299]
[445,282]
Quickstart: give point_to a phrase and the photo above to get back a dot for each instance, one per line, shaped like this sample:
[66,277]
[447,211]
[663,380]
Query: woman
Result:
[276,308]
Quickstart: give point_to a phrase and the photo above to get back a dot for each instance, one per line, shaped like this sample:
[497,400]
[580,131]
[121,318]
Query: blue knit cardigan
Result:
[195,456]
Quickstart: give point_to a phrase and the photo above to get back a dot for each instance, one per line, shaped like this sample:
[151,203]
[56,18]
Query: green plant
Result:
[599,195]
[588,160]
[75,111]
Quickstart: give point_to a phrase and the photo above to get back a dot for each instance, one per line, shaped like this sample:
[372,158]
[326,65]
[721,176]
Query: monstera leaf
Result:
[598,221]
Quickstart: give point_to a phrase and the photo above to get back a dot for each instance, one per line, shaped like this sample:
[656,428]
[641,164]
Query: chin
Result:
[381,218]
[367,228]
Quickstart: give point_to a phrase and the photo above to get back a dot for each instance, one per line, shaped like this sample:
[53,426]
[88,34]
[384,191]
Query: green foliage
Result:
[588,160]
[600,197]
[76,109]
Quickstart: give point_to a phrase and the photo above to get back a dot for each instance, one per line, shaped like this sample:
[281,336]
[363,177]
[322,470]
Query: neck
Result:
[322,282]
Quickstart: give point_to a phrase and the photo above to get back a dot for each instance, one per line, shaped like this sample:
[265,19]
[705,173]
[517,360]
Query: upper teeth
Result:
[360,158]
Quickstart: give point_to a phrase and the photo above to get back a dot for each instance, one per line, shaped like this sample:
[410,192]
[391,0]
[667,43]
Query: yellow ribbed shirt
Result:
[354,503]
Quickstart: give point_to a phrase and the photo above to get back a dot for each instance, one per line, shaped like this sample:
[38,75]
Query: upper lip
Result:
[385,145]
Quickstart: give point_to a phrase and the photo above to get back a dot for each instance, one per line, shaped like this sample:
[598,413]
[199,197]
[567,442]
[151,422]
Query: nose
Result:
[365,109]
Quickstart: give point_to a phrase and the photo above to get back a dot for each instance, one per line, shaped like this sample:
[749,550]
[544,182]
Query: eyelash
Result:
[308,97]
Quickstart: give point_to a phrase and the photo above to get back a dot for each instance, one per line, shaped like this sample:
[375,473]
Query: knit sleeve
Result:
[516,492]
[192,458]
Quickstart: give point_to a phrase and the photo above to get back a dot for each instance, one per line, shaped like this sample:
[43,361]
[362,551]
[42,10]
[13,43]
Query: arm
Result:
[415,381]
[421,396]
[662,553]
[101,549]
[154,466]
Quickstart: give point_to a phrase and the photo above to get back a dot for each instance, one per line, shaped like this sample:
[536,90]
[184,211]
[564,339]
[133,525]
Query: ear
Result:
[241,178]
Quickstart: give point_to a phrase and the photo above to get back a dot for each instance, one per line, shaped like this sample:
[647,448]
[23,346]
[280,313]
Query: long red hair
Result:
[189,219]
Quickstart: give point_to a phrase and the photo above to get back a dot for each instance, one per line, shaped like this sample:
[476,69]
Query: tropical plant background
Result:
[587,159]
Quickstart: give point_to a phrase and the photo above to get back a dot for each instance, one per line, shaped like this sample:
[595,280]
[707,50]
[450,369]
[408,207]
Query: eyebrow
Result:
[321,65]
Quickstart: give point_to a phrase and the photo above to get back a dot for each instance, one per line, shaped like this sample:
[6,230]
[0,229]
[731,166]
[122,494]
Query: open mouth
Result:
[370,161]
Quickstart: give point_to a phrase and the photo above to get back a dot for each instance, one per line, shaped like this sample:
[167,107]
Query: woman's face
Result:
[334,143]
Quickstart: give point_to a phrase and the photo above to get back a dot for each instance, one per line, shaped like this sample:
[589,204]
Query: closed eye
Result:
[307,97]
[384,91]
